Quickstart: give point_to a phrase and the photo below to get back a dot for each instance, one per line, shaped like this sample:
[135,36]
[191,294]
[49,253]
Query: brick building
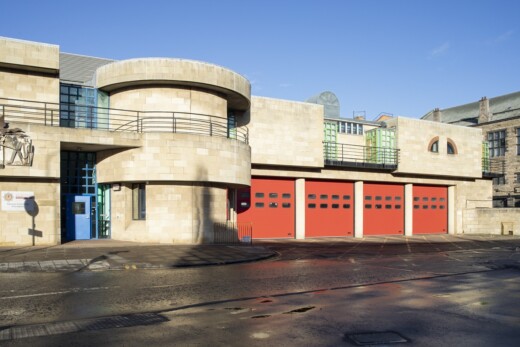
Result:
[499,119]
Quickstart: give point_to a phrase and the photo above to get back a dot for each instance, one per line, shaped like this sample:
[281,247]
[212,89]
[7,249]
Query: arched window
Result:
[434,145]
[451,148]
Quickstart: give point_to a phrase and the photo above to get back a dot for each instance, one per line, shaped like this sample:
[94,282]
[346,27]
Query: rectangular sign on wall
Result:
[17,201]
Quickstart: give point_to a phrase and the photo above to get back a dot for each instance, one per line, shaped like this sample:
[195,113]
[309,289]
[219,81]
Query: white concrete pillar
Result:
[299,202]
[408,209]
[358,209]
[451,210]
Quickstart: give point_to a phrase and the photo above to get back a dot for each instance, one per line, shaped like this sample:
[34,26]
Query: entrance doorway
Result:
[79,217]
[85,205]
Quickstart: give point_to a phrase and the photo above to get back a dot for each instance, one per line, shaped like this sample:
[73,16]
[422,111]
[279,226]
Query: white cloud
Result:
[504,36]
[440,50]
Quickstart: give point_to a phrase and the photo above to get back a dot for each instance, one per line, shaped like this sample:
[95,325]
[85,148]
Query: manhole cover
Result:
[376,338]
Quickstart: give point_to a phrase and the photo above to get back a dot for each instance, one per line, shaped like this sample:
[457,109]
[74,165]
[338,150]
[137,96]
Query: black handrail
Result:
[340,154]
[118,120]
[493,167]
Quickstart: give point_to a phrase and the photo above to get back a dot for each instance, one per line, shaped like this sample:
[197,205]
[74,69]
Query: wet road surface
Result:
[350,289]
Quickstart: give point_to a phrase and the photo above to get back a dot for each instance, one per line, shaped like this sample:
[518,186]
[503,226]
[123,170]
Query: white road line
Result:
[73,290]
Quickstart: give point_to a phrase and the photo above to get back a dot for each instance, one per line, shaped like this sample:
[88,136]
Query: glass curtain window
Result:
[78,172]
[79,107]
[232,125]
[103,104]
[139,201]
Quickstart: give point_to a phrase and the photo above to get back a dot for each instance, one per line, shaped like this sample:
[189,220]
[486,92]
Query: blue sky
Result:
[403,57]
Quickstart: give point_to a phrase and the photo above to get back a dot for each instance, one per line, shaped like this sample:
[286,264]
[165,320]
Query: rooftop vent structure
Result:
[329,101]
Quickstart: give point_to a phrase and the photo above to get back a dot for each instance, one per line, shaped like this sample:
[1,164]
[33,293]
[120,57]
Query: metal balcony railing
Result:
[118,120]
[338,154]
[493,167]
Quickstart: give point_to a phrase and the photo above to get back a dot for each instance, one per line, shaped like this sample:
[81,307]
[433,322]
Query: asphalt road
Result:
[312,294]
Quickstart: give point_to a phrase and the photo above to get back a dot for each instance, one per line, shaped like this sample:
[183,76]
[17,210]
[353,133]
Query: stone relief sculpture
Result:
[16,147]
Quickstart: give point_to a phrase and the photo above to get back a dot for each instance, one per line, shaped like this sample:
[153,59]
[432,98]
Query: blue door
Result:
[78,217]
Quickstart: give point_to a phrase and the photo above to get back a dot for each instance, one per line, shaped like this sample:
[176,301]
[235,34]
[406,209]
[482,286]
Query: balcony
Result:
[364,157]
[493,167]
[118,120]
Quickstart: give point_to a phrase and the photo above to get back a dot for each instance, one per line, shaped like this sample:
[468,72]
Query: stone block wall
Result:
[27,86]
[286,133]
[15,226]
[34,55]
[46,160]
[494,221]
[471,195]
[49,141]
[151,71]
[170,99]
[178,157]
[29,71]
[176,212]
[414,137]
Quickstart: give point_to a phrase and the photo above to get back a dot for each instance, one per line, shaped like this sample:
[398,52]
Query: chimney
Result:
[437,115]
[484,115]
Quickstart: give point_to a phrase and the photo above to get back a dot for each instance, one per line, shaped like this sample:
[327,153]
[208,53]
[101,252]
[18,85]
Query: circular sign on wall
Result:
[8,196]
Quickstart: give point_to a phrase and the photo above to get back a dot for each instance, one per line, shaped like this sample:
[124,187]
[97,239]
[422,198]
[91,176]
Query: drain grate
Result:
[123,321]
[376,338]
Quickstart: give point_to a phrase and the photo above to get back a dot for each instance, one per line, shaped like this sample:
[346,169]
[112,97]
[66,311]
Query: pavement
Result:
[101,255]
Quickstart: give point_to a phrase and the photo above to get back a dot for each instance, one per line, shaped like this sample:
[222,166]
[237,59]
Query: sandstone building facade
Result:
[161,150]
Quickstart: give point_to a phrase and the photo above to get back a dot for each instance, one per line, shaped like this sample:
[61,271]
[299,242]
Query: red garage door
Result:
[430,210]
[269,206]
[329,209]
[383,212]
